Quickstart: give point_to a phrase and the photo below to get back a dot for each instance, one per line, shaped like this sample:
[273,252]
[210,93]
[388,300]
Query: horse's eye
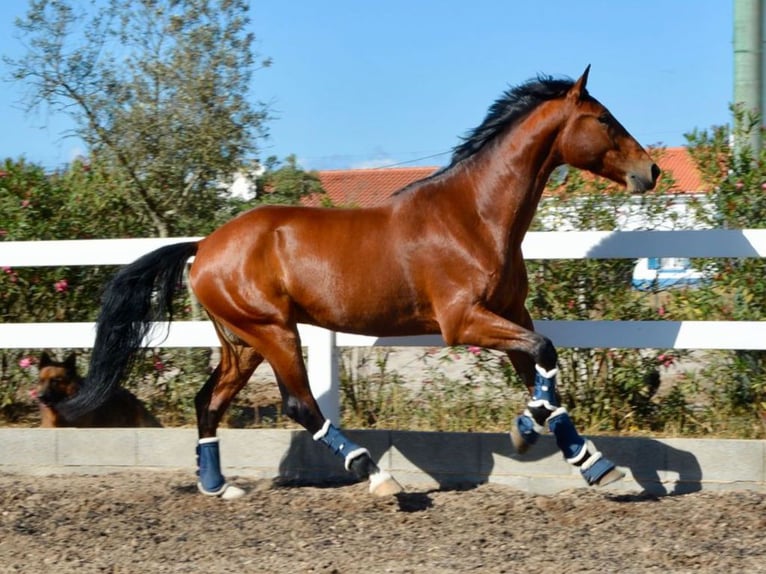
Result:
[605,118]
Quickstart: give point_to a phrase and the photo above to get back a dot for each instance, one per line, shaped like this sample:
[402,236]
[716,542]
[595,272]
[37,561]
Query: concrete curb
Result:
[421,460]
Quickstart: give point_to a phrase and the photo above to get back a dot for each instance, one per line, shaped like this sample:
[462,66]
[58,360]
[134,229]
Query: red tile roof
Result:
[366,187]
[370,187]
[681,166]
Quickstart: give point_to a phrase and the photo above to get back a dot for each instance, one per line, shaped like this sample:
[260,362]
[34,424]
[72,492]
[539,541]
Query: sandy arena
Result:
[151,521]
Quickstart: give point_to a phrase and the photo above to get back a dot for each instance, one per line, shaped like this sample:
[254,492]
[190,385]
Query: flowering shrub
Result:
[733,383]
[74,204]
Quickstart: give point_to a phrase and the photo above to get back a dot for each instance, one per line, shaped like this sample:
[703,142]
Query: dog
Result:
[58,381]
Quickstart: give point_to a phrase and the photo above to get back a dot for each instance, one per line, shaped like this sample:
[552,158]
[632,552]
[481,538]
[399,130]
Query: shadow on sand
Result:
[448,461]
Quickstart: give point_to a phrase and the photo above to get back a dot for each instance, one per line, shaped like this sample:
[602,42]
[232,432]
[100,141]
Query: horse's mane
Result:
[515,103]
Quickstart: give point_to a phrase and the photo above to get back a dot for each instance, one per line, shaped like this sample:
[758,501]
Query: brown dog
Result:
[59,380]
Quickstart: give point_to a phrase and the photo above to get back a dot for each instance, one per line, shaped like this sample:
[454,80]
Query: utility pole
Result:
[749,63]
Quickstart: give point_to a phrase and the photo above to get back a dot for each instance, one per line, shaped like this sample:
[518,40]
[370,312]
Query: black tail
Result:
[140,293]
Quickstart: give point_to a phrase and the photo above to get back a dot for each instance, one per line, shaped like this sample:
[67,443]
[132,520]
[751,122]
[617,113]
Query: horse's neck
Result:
[509,185]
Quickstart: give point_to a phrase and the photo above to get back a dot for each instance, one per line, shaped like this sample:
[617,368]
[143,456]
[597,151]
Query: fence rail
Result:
[322,345]
[537,245]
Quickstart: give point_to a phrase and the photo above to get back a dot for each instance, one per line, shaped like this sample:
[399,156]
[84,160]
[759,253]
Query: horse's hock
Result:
[419,460]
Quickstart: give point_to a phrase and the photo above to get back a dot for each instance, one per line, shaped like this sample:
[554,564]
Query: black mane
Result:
[514,104]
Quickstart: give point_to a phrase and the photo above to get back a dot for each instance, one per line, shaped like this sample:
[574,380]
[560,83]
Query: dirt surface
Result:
[157,522]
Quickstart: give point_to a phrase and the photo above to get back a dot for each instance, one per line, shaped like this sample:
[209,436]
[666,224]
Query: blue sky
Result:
[361,84]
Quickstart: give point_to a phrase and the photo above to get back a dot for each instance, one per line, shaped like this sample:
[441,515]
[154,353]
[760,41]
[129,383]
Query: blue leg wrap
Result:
[209,466]
[544,393]
[529,425]
[338,443]
[578,451]
[570,443]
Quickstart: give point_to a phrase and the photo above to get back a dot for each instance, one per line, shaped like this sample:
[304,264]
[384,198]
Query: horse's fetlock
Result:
[540,413]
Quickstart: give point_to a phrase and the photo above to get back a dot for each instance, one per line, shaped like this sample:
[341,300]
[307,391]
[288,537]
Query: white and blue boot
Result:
[544,408]
[531,424]
[211,482]
[381,482]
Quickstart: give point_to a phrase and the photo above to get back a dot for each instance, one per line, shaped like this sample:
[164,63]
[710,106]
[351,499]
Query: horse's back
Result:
[343,269]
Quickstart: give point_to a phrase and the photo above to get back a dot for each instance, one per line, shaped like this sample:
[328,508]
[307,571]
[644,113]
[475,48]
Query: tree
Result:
[285,182]
[159,91]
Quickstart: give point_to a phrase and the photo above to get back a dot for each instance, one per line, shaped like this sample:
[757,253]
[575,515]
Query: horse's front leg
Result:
[284,356]
[544,408]
[485,329]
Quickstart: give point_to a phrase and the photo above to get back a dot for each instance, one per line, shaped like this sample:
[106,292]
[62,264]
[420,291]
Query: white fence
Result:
[322,344]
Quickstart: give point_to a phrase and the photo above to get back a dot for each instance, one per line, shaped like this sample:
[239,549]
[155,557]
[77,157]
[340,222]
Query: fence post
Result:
[323,372]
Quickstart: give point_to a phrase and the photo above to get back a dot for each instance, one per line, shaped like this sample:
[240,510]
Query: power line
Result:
[416,159]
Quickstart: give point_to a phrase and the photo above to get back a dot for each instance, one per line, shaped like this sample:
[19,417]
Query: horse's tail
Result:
[139,294]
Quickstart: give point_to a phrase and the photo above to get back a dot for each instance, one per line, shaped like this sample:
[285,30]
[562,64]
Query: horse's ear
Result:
[578,91]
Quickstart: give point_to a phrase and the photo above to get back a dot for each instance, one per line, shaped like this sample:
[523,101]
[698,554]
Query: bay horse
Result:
[441,256]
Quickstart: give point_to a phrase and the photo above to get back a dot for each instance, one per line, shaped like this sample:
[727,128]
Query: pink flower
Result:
[661,311]
[739,185]
[61,286]
[763,185]
[474,350]
[26,362]
[159,365]
[665,360]
[25,203]
[3,232]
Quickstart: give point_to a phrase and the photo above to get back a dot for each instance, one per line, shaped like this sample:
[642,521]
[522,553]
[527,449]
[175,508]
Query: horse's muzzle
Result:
[638,182]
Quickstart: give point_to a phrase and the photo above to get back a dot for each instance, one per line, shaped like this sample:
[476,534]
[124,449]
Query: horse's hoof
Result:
[524,432]
[226,492]
[612,476]
[519,444]
[383,484]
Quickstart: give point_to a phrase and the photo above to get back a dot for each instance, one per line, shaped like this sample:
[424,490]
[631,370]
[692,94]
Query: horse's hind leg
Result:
[283,352]
[237,365]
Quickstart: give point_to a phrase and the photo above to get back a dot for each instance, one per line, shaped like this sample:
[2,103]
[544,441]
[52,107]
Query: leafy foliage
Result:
[284,182]
[734,381]
[159,92]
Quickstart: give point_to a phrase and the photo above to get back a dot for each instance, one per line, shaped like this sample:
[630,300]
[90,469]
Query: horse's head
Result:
[592,139]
